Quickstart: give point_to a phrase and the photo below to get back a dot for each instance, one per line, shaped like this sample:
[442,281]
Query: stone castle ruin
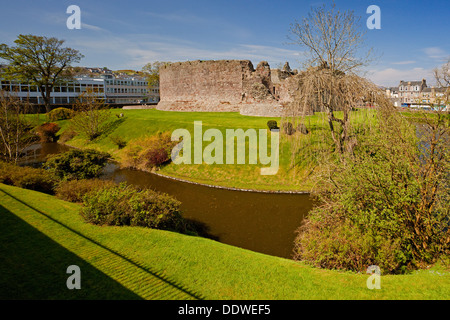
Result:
[227,86]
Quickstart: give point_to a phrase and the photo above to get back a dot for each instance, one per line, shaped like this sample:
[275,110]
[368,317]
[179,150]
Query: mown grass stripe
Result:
[111,263]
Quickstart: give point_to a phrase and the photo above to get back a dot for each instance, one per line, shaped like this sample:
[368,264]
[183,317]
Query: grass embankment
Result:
[41,236]
[140,123]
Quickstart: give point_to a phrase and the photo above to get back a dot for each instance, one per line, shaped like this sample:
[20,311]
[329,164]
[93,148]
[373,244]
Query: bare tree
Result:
[332,38]
[16,130]
[442,74]
[91,116]
[335,52]
[442,77]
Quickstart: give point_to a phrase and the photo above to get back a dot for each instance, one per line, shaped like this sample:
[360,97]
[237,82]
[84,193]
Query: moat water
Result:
[261,222]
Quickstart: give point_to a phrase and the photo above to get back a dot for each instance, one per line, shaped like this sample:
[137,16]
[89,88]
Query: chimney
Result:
[424,83]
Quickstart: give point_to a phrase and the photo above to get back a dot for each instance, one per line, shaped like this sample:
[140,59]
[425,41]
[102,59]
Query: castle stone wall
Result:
[219,86]
[203,85]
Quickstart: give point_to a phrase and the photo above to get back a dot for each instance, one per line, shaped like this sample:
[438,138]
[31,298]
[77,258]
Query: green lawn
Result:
[139,123]
[41,236]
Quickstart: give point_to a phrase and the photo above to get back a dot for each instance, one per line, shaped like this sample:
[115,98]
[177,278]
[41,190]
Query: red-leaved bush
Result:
[47,131]
[149,152]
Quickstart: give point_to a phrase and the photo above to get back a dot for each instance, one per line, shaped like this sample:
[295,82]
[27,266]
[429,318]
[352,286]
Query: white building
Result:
[410,91]
[131,90]
[418,94]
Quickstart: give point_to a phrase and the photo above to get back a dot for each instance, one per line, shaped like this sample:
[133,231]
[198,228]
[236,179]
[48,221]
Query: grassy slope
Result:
[139,123]
[124,262]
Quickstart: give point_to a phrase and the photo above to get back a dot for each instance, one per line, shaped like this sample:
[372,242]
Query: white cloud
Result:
[135,51]
[91,27]
[391,77]
[152,51]
[404,62]
[435,53]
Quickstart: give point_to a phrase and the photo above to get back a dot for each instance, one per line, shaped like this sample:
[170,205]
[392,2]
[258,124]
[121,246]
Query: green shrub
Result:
[156,210]
[272,125]
[127,205]
[60,114]
[67,135]
[118,141]
[6,172]
[77,164]
[155,157]
[36,179]
[47,131]
[149,152]
[302,128]
[92,115]
[327,241]
[108,206]
[28,178]
[385,203]
[75,190]
[288,128]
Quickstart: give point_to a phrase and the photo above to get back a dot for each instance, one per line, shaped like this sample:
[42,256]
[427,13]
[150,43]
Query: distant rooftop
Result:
[413,83]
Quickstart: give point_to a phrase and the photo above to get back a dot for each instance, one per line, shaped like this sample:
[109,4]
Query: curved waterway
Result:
[261,222]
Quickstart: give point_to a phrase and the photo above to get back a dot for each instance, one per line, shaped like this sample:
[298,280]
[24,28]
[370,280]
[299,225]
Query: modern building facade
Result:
[113,90]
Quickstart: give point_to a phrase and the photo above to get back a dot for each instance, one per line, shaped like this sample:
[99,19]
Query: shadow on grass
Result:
[199,229]
[33,266]
[109,128]
[45,255]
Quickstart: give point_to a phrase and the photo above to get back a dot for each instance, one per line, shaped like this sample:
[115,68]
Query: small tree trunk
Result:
[45,93]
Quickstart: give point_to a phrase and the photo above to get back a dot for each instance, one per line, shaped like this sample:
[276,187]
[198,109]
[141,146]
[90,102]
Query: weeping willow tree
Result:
[335,52]
[336,95]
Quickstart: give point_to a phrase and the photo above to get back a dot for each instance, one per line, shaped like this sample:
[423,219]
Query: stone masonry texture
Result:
[225,86]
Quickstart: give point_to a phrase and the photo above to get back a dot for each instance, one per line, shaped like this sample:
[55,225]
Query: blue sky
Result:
[413,39]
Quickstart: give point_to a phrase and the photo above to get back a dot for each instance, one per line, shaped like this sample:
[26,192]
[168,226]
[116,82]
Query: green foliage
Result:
[77,164]
[127,205]
[152,71]
[42,60]
[60,114]
[67,135]
[301,127]
[288,128]
[92,116]
[47,131]
[16,130]
[390,197]
[27,178]
[119,141]
[328,241]
[75,190]
[149,152]
[272,124]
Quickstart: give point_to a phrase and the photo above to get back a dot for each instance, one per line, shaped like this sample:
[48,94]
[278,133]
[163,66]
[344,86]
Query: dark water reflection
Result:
[35,154]
[262,222]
